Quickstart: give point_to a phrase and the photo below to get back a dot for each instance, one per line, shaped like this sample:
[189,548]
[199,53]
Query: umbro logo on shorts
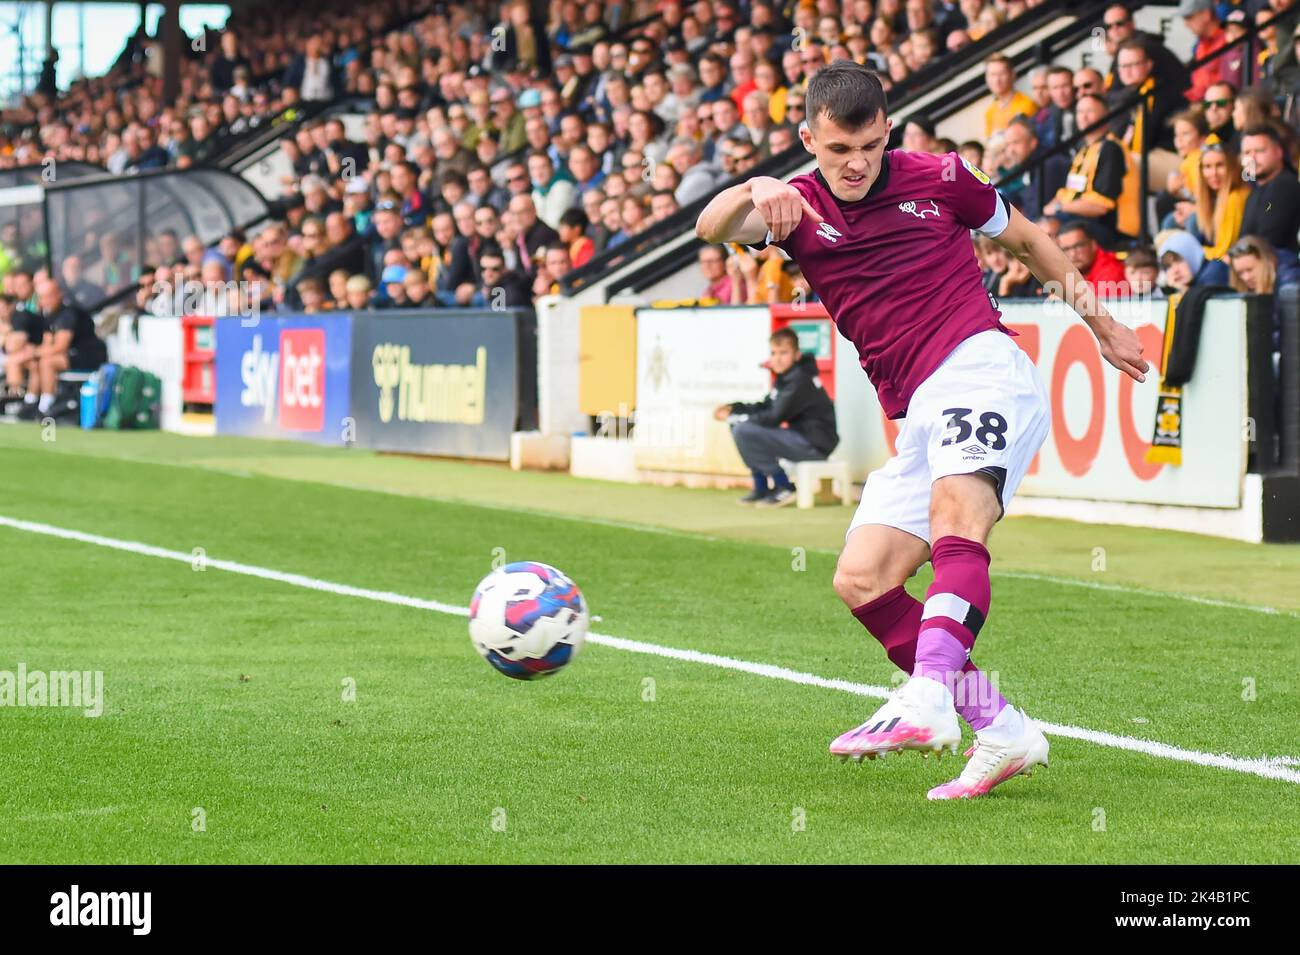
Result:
[917,209]
[974,449]
[827,231]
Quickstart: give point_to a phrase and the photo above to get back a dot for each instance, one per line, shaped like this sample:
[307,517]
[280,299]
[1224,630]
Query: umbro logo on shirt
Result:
[920,211]
[827,231]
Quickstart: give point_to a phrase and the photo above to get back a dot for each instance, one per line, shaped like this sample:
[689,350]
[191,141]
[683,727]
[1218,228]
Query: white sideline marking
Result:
[675,532]
[1274,767]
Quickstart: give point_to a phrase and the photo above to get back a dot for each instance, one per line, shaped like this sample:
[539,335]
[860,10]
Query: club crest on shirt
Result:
[975,171]
[919,209]
[827,231]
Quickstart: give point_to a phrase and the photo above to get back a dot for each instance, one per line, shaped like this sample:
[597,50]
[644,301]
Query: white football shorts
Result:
[984,410]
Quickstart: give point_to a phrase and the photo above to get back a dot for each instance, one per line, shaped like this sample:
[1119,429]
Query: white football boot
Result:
[1009,746]
[920,715]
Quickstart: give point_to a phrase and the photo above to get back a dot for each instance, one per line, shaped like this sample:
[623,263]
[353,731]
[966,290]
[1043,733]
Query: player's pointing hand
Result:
[781,205]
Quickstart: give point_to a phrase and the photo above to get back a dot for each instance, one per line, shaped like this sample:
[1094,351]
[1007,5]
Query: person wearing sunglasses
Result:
[1119,25]
[1218,103]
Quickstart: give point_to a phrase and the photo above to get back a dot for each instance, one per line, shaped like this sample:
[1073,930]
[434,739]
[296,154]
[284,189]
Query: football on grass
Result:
[528,620]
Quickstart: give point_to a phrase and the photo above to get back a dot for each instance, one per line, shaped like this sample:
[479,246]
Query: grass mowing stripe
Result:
[673,532]
[1275,768]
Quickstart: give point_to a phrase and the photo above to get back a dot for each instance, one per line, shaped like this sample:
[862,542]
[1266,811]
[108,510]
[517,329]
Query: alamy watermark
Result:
[78,689]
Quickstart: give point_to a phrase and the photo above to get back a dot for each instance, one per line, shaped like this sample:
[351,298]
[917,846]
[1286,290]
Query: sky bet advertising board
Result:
[285,377]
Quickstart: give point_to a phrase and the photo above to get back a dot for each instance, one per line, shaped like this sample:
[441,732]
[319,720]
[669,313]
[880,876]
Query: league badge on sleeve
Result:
[976,172]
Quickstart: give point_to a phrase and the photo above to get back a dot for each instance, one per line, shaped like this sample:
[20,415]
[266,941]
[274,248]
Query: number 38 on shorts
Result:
[989,429]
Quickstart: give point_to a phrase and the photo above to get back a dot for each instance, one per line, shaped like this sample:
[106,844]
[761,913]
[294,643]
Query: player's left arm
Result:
[1034,247]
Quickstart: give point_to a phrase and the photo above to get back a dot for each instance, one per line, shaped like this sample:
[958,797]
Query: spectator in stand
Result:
[1220,199]
[500,287]
[1088,82]
[1200,17]
[1102,269]
[553,191]
[1055,123]
[1177,204]
[918,134]
[1254,266]
[1253,107]
[311,292]
[358,293]
[1038,185]
[573,233]
[338,289]
[1272,210]
[1095,188]
[1120,26]
[1005,101]
[1142,272]
[1183,260]
[311,72]
[1238,69]
[1146,130]
[534,234]
[1219,103]
[718,284]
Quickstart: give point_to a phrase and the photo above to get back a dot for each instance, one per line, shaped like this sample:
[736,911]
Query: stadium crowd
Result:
[499,151]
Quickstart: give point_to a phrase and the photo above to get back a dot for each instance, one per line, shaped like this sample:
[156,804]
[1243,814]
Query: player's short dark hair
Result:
[848,93]
[785,335]
[1143,257]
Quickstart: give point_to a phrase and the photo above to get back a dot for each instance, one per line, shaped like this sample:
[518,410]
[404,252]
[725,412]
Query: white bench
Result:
[809,475]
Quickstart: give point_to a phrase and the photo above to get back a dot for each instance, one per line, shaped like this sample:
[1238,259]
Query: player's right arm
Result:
[747,212]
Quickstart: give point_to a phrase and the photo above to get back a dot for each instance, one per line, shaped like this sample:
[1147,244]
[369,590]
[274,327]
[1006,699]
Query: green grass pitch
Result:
[226,735]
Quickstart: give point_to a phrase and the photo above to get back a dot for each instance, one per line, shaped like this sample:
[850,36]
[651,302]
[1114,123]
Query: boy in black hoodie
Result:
[797,399]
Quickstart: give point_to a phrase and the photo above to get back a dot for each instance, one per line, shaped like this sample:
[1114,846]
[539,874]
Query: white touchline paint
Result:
[692,535]
[1268,767]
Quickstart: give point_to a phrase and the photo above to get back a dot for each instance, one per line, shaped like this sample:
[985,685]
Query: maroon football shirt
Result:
[896,269]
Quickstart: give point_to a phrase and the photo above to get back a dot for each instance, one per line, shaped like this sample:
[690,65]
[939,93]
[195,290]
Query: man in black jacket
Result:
[796,400]
[1273,207]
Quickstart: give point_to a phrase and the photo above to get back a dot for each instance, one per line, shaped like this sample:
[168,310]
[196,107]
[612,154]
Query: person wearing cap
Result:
[1183,259]
[384,233]
[1200,17]
[1238,69]
[392,282]
[530,103]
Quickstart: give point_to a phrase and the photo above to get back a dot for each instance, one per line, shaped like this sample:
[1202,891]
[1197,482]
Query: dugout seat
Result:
[809,475]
